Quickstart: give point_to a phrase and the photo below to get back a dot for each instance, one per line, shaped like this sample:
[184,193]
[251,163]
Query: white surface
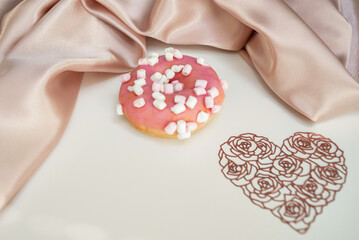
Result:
[105,180]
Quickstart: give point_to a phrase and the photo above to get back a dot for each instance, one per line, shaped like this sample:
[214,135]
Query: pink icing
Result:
[158,119]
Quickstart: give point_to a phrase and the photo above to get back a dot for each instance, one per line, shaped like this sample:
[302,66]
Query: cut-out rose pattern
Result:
[295,182]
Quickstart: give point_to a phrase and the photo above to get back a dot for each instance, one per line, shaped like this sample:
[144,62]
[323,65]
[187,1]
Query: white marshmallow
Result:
[141,73]
[169,73]
[137,89]
[142,61]
[178,87]
[171,128]
[162,88]
[200,61]
[174,82]
[168,88]
[158,96]
[213,92]
[191,102]
[202,117]
[169,56]
[159,104]
[164,79]
[130,88]
[178,108]
[139,102]
[169,50]
[209,102]
[185,135]
[180,99]
[125,77]
[119,109]
[152,61]
[191,126]
[140,82]
[177,68]
[156,86]
[156,76]
[201,83]
[181,126]
[177,54]
[224,84]
[216,109]
[199,91]
[186,70]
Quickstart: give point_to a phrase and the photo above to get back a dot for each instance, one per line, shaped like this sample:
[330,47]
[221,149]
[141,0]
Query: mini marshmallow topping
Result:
[202,117]
[119,110]
[177,54]
[216,109]
[168,88]
[125,77]
[180,99]
[141,73]
[199,91]
[156,76]
[224,84]
[156,86]
[140,82]
[209,102]
[200,61]
[178,87]
[201,83]
[159,104]
[181,126]
[184,135]
[191,102]
[191,126]
[186,70]
[213,92]
[169,73]
[171,128]
[142,61]
[178,108]
[169,56]
[137,89]
[139,102]
[158,96]
[152,61]
[130,88]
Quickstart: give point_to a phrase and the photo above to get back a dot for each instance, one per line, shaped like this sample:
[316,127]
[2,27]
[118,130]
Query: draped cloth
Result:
[302,49]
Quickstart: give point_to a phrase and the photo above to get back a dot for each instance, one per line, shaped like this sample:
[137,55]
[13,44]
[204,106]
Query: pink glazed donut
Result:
[170,95]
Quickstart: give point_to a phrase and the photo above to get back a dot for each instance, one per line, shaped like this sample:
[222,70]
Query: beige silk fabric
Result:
[46,45]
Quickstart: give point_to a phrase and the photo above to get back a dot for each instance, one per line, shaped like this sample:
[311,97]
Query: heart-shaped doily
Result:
[295,181]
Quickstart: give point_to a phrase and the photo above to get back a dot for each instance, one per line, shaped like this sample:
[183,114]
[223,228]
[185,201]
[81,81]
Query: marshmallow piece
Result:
[156,76]
[169,73]
[159,104]
[156,86]
[178,87]
[224,84]
[171,128]
[177,54]
[213,92]
[185,135]
[125,77]
[139,102]
[201,83]
[152,61]
[168,88]
[141,73]
[216,109]
[153,54]
[164,79]
[142,61]
[130,88]
[199,91]
[137,89]
[209,102]
[177,68]
[191,102]
[174,82]
[181,126]
[162,88]
[158,96]
[119,109]
[186,70]
[169,50]
[169,56]
[140,82]
[202,117]
[178,108]
[200,61]
[180,99]
[191,126]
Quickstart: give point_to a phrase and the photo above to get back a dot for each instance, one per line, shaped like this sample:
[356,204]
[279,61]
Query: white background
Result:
[105,180]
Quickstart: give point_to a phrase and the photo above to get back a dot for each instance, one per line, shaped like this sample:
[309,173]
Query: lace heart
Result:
[295,182]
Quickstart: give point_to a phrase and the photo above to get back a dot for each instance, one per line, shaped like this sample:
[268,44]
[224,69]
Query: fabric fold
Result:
[47,45]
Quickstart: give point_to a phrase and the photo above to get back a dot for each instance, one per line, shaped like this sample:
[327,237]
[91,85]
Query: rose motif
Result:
[238,174]
[332,177]
[314,193]
[297,213]
[291,169]
[299,145]
[265,190]
[249,147]
[326,152]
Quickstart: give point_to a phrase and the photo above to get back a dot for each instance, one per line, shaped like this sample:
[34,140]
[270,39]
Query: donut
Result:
[171,95]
